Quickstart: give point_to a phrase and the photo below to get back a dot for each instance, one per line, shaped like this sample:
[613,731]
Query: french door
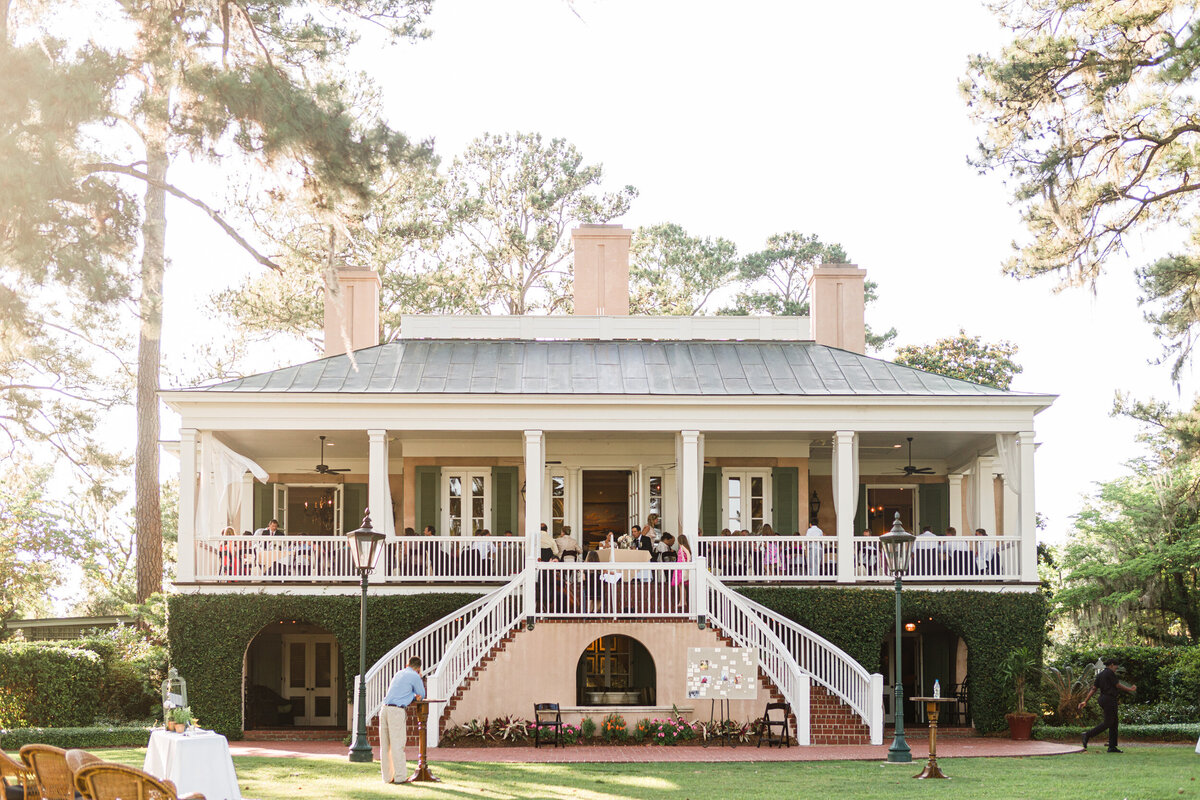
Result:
[466,501]
[310,677]
[746,499]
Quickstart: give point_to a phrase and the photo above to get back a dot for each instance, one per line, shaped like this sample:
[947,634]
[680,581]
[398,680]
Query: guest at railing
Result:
[482,554]
[814,549]
[665,549]
[430,557]
[679,581]
[567,546]
[772,558]
[866,561]
[959,559]
[988,557]
[231,554]
[550,548]
[928,555]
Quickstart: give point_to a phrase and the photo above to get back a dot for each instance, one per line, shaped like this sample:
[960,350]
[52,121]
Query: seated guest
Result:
[665,549]
[482,554]
[568,547]
[550,549]
[272,529]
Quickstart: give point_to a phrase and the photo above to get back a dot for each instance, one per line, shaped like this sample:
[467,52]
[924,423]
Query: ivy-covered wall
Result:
[860,620]
[208,636]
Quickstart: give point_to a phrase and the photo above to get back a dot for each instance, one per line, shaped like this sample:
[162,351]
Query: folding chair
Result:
[769,724]
[541,718]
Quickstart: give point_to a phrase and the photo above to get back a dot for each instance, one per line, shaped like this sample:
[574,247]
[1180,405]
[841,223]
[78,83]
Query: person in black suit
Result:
[1110,693]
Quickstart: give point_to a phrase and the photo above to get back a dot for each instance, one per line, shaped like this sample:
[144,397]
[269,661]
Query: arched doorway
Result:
[929,652]
[293,678]
[615,670]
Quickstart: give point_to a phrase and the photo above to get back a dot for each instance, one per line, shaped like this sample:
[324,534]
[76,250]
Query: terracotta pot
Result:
[1020,725]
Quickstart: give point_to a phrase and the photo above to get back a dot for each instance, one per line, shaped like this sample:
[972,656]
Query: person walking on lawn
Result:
[1109,687]
[393,720]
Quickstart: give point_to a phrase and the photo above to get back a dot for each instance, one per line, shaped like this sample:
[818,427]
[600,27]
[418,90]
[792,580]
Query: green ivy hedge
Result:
[1180,732]
[1162,674]
[69,738]
[208,636]
[860,620]
[49,685]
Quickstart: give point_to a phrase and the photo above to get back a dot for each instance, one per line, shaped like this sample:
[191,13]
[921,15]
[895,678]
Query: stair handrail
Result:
[428,644]
[830,666]
[504,611]
[746,628]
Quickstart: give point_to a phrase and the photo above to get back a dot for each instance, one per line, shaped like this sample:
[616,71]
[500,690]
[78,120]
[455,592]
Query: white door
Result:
[746,500]
[310,677]
[466,501]
[281,510]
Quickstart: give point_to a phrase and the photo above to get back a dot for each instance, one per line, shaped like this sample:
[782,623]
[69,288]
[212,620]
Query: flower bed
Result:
[672,730]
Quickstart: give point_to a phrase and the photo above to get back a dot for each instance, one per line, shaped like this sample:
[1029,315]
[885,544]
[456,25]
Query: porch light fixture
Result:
[366,545]
[814,505]
[897,552]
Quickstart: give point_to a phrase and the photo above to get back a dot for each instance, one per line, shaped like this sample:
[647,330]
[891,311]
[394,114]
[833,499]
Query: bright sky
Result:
[742,120]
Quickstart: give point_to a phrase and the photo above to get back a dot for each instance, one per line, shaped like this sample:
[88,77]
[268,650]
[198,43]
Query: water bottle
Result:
[937,688]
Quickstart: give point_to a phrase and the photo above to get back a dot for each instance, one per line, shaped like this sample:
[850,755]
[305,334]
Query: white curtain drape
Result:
[219,501]
[971,507]
[1010,461]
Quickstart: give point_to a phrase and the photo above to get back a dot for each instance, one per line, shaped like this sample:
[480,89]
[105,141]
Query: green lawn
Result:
[1141,773]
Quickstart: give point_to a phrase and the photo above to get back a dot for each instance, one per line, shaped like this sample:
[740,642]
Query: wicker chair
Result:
[17,780]
[105,781]
[49,765]
[77,760]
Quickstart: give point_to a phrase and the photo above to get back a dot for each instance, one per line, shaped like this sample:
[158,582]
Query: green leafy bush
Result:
[49,685]
[1153,733]
[663,731]
[68,738]
[860,620]
[1148,667]
[1182,677]
[587,729]
[208,636]
[1165,713]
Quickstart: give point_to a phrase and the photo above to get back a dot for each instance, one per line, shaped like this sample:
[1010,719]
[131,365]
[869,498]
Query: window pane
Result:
[557,486]
[477,507]
[756,508]
[296,665]
[455,486]
[324,676]
[756,487]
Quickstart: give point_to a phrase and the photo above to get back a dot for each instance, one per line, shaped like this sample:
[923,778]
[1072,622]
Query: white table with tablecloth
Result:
[194,762]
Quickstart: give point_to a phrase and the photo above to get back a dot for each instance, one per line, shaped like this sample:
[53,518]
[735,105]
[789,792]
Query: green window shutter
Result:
[710,503]
[935,506]
[428,482]
[785,500]
[264,504]
[354,501]
[860,514]
[504,500]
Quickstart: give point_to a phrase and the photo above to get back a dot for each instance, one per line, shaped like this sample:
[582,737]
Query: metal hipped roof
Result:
[441,366]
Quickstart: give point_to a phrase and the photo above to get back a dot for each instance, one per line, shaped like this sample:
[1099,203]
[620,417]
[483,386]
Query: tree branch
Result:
[122,169]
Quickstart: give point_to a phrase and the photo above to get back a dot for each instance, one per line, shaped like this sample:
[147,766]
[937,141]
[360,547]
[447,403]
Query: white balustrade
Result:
[323,559]
[939,558]
[770,558]
[616,589]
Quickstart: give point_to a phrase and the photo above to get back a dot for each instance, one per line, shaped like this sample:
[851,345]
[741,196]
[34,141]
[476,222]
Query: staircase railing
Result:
[504,610]
[831,667]
[732,613]
[428,644]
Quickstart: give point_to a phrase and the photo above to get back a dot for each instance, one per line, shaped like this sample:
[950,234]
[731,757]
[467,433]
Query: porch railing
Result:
[770,558]
[324,559]
[429,644]
[732,613]
[615,590]
[945,558]
[831,667]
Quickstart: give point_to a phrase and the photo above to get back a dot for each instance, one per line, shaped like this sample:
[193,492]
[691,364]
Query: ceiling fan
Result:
[910,469]
[322,468]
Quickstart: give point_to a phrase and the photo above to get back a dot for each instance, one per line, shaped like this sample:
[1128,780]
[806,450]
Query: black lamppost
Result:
[365,549]
[897,550]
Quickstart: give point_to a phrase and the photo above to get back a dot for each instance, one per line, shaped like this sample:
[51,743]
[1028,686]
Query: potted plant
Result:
[1016,670]
[179,718]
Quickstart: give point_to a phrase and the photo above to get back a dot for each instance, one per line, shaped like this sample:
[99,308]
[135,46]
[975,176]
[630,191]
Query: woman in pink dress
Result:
[680,578]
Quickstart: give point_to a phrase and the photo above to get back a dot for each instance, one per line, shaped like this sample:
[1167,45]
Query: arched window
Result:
[616,670]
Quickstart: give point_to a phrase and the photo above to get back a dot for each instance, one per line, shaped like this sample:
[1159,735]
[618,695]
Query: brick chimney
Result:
[601,269]
[352,310]
[837,307]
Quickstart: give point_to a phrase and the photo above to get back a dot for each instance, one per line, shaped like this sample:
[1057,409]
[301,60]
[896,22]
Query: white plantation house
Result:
[594,422]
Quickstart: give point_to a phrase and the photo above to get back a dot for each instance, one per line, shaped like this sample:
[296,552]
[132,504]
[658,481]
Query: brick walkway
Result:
[948,748]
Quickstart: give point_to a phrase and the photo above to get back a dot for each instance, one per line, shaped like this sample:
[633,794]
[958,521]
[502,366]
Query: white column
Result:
[847,500]
[574,509]
[185,566]
[985,488]
[690,472]
[535,482]
[1028,515]
[378,494]
[956,502]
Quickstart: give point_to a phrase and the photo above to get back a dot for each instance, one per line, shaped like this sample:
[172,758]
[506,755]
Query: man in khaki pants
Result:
[393,720]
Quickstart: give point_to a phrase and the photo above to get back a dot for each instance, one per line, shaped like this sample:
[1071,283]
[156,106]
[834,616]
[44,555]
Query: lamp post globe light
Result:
[366,545]
[897,552]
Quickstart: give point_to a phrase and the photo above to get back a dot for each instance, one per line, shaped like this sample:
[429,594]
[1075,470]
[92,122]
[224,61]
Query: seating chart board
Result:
[722,673]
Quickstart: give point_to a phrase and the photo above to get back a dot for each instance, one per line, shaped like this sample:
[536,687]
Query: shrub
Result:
[570,734]
[613,728]
[1155,733]
[1148,667]
[1164,713]
[49,685]
[68,738]
[663,731]
[1065,689]
[588,728]
[1182,678]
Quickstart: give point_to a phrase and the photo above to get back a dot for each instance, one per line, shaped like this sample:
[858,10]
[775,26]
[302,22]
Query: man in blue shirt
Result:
[393,720]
